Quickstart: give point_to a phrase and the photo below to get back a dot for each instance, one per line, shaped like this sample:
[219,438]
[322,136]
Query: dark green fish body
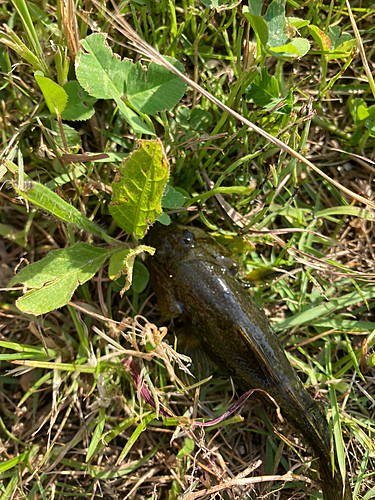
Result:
[191,276]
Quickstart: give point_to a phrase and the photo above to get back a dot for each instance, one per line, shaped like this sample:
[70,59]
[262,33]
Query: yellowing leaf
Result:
[321,38]
[123,262]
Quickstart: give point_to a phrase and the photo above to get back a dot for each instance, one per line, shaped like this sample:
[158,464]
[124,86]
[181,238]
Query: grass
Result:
[72,422]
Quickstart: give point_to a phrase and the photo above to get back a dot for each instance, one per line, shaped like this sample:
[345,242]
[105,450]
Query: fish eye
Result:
[187,237]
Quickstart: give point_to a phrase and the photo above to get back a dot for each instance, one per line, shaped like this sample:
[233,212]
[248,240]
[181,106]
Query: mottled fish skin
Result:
[192,276]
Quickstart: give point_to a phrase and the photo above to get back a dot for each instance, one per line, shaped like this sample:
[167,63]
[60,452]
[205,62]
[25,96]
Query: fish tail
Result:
[333,485]
[316,433]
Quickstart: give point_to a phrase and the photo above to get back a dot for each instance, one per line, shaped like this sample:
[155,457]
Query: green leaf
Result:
[164,219]
[257,22]
[172,198]
[103,75]
[336,39]
[72,137]
[117,472]
[275,10]
[62,179]
[13,235]
[138,188]
[174,491]
[281,41]
[339,47]
[115,431]
[276,23]
[264,91]
[122,262]
[143,2]
[42,197]
[370,126]
[297,48]
[345,325]
[359,110]
[55,96]
[80,103]
[154,90]
[188,448]
[216,4]
[361,473]
[53,280]
[25,348]
[344,50]
[275,32]
[254,8]
[141,277]
[182,116]
[200,119]
[297,23]
[100,72]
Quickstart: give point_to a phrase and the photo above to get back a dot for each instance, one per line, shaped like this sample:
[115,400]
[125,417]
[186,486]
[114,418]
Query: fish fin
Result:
[201,366]
[256,352]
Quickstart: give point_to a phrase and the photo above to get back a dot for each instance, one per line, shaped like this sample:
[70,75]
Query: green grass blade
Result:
[126,470]
[324,309]
[10,39]
[97,434]
[133,438]
[370,495]
[30,32]
[14,462]
[361,473]
[11,486]
[340,450]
